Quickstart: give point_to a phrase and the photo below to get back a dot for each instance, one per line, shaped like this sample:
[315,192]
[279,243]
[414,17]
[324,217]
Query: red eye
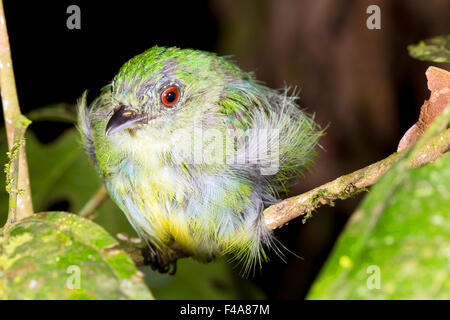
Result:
[170,96]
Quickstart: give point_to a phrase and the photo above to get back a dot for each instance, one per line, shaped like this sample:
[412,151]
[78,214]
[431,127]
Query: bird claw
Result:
[152,257]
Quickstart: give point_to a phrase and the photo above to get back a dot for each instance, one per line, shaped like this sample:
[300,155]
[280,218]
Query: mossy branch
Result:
[12,168]
[11,112]
[347,186]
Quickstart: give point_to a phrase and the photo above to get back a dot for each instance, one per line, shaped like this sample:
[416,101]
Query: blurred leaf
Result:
[436,49]
[402,230]
[195,280]
[42,256]
[59,112]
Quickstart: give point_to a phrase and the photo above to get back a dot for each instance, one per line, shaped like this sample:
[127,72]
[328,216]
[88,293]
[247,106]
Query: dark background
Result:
[359,82]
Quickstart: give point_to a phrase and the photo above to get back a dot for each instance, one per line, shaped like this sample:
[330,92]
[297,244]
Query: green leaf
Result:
[400,236]
[59,112]
[436,49]
[57,255]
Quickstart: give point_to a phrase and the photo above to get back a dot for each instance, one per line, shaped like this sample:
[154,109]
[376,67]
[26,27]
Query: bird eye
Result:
[170,96]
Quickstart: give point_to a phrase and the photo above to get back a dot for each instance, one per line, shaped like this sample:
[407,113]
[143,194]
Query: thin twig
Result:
[11,111]
[97,199]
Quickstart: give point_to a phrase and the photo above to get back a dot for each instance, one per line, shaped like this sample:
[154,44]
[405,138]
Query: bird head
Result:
[167,89]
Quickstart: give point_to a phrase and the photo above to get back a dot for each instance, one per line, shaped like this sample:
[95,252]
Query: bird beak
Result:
[123,118]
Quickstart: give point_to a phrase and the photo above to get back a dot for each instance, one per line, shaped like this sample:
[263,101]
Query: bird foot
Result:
[157,261]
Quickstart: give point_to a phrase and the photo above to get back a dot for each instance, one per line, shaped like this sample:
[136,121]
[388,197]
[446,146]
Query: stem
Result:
[12,169]
[11,112]
[97,199]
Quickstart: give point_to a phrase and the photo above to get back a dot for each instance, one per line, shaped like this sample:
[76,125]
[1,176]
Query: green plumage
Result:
[192,148]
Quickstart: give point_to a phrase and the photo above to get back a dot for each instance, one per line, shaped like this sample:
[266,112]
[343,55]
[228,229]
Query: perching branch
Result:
[11,112]
[347,186]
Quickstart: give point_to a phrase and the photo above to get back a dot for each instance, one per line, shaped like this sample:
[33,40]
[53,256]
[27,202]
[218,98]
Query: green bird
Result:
[192,148]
